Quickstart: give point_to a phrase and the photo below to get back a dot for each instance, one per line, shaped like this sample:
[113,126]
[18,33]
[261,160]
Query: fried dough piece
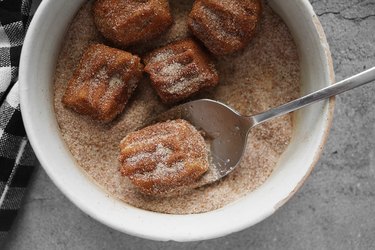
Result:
[225,26]
[161,158]
[126,22]
[179,70]
[103,82]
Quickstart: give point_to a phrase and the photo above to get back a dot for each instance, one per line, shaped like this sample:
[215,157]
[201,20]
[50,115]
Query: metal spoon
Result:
[228,130]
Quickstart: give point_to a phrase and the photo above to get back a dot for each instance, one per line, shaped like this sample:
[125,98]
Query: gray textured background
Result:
[335,209]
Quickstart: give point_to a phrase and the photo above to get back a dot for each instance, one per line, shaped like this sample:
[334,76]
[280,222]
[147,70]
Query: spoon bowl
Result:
[223,127]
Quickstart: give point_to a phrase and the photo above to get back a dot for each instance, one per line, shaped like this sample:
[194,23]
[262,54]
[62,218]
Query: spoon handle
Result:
[337,88]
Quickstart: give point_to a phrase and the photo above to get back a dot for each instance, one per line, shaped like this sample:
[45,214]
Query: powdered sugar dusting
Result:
[161,154]
[161,56]
[171,69]
[183,84]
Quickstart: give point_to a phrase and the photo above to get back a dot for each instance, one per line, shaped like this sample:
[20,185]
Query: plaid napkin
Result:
[17,160]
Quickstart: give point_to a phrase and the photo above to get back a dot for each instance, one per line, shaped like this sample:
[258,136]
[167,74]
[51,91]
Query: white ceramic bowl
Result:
[39,54]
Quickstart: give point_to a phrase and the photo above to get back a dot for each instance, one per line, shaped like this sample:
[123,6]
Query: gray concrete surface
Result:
[335,209]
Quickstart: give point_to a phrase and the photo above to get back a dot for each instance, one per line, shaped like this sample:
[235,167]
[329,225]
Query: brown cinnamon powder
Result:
[262,76]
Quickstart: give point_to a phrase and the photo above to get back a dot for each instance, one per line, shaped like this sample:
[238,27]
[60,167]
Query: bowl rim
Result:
[33,138]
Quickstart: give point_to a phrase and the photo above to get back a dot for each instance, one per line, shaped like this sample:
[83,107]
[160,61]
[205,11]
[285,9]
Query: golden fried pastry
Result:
[225,26]
[179,70]
[126,22]
[160,158]
[103,82]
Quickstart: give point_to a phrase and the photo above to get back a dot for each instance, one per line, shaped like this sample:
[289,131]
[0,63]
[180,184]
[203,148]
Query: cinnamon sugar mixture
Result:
[262,76]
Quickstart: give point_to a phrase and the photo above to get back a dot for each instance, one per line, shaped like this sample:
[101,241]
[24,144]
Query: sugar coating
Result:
[103,82]
[264,75]
[126,22]
[164,157]
[225,26]
[179,70]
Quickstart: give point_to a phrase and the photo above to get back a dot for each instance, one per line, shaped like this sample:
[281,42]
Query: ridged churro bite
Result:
[126,22]
[103,82]
[180,70]
[225,26]
[161,158]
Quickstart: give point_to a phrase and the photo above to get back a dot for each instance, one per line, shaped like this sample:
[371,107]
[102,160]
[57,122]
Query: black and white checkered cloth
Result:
[17,159]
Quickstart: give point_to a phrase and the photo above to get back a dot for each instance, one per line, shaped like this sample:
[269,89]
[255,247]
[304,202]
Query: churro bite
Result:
[179,70]
[161,158]
[225,26]
[126,22]
[103,82]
